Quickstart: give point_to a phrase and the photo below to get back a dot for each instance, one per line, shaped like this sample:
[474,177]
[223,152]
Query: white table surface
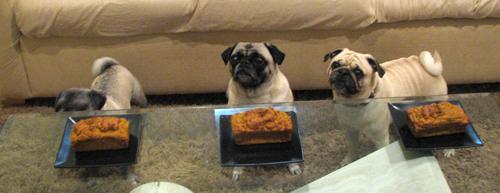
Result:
[390,169]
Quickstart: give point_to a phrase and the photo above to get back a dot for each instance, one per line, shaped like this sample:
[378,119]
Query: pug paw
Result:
[449,152]
[294,168]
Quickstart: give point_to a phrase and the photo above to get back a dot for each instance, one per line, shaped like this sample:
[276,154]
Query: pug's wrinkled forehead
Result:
[350,58]
[347,58]
[247,48]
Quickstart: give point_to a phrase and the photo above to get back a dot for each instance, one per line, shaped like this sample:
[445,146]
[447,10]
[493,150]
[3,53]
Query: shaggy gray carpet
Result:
[465,172]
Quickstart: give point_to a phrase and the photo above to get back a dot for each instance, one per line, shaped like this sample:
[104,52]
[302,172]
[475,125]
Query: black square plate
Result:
[67,158]
[469,138]
[259,154]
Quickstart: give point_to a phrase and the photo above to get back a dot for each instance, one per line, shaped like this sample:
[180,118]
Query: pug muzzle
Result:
[345,81]
[248,71]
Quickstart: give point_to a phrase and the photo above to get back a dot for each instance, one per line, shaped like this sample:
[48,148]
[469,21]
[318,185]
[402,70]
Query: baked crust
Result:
[436,119]
[261,125]
[100,133]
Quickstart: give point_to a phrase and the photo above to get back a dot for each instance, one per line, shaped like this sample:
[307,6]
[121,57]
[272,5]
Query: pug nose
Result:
[344,72]
[245,61]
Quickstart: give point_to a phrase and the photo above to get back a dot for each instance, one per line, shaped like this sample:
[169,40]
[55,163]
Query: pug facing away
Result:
[113,88]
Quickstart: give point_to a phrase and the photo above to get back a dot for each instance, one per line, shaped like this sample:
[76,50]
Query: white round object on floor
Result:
[161,187]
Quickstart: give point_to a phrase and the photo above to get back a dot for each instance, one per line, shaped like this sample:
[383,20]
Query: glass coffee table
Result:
[182,145]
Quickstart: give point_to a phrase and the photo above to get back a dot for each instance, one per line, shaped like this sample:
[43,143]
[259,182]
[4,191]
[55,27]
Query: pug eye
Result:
[358,73]
[335,64]
[235,59]
[259,61]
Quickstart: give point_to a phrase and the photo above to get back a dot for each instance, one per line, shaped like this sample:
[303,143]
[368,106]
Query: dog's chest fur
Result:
[360,116]
[240,95]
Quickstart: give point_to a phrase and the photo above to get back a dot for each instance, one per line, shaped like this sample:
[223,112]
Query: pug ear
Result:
[226,55]
[97,100]
[60,101]
[376,66]
[332,54]
[278,56]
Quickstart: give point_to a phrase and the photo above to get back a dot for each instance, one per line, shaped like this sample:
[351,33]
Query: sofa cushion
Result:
[44,18]
[397,10]
[78,18]
[108,18]
[255,15]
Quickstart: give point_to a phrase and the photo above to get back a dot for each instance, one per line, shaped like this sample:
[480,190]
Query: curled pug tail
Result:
[431,63]
[101,64]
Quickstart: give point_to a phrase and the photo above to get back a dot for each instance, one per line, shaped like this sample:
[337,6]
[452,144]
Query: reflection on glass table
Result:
[181,145]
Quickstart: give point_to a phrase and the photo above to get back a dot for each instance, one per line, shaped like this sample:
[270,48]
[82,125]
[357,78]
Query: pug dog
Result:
[255,78]
[354,75]
[113,88]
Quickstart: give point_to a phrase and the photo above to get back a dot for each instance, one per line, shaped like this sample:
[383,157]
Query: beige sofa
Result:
[174,46]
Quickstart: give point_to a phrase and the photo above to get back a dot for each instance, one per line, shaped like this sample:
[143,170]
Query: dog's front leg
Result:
[380,137]
[294,168]
[449,152]
[131,177]
[352,146]
[237,171]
